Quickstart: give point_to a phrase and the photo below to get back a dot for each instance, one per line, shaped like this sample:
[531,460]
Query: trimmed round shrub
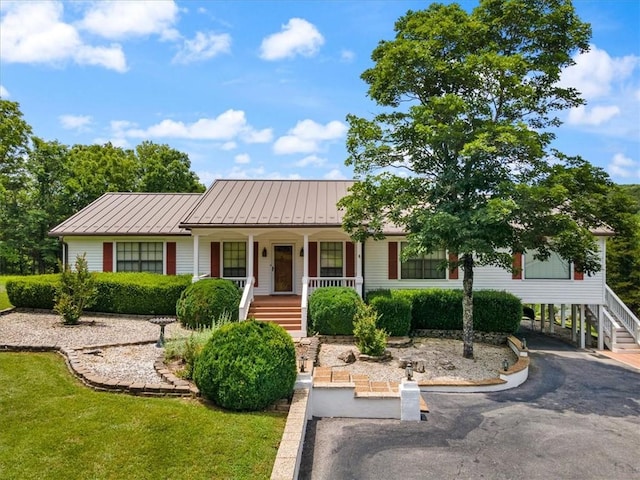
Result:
[496,311]
[332,310]
[247,366]
[206,300]
[394,314]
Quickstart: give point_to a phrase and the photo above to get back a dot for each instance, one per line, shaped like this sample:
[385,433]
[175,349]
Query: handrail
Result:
[247,298]
[622,313]
[303,306]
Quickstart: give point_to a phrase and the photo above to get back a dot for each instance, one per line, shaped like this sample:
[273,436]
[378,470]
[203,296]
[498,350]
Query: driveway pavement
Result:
[577,417]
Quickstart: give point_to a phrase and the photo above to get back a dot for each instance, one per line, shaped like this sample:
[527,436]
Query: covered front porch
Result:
[278,262]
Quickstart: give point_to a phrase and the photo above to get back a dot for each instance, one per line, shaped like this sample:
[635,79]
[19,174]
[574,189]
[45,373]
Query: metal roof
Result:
[131,214]
[263,203]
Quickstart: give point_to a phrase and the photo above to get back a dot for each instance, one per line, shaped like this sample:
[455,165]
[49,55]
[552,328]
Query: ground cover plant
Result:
[53,427]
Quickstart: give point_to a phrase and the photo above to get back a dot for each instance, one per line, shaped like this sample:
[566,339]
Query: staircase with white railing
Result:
[620,326]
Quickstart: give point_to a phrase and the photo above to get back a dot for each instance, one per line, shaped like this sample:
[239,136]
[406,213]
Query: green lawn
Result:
[4,299]
[52,427]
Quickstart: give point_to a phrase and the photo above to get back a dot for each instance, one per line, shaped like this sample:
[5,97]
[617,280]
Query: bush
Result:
[206,300]
[394,314]
[332,310]
[75,292]
[127,293]
[188,349]
[441,309]
[37,291]
[247,366]
[370,340]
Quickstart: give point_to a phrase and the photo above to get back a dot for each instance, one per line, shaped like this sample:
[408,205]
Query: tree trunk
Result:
[467,306]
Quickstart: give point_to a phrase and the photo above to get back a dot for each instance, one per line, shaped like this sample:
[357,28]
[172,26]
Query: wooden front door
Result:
[283,269]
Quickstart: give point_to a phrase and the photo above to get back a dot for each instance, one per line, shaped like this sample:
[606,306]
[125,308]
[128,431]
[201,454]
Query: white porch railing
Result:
[609,324]
[240,282]
[623,314]
[318,282]
[247,298]
[303,305]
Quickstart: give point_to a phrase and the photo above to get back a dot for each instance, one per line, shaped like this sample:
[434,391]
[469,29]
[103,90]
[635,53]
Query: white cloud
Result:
[116,142]
[4,93]
[624,167]
[35,33]
[227,126]
[242,158]
[240,173]
[335,174]
[595,116]
[306,136]
[298,37]
[258,136]
[347,56]
[229,146]
[203,47]
[311,160]
[119,19]
[74,122]
[595,71]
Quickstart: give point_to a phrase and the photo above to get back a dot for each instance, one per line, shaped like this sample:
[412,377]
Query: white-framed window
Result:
[234,259]
[139,257]
[555,267]
[331,259]
[424,267]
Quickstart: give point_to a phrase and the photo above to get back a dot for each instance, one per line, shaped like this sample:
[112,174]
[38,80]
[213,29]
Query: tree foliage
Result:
[43,182]
[459,155]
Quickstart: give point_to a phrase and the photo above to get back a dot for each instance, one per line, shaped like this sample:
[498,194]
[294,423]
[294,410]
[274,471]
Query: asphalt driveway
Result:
[577,417]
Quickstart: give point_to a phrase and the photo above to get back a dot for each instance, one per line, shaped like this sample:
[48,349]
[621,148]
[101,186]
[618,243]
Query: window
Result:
[234,259]
[553,267]
[139,257]
[428,266]
[331,259]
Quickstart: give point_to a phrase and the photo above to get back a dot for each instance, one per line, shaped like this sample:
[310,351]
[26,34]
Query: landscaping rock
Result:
[348,357]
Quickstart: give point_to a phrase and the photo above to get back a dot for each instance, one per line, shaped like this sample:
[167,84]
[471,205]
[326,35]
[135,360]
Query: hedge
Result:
[332,310]
[394,314]
[208,300]
[441,309]
[125,293]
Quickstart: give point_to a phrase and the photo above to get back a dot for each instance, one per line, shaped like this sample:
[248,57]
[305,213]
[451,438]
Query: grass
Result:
[4,299]
[53,427]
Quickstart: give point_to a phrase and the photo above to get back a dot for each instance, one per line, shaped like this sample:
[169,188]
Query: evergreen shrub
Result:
[206,300]
[247,366]
[370,339]
[332,310]
[394,314]
[36,291]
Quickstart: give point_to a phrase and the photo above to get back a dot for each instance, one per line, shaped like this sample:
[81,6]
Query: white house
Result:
[281,239]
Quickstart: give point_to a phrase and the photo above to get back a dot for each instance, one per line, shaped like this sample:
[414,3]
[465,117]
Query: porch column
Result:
[359,279]
[250,257]
[196,256]
[552,317]
[563,315]
[543,313]
[574,323]
[305,262]
[600,327]
[582,323]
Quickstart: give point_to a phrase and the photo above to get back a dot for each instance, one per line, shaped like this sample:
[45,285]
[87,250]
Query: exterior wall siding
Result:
[589,290]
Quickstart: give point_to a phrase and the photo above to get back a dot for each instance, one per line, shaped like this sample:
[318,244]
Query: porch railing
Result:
[609,324]
[623,314]
[303,305]
[318,282]
[240,282]
[247,298]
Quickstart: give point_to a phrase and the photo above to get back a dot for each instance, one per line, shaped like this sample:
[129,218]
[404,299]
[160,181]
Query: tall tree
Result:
[459,155]
[165,169]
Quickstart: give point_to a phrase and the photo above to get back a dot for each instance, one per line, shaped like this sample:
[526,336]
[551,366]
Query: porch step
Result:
[283,310]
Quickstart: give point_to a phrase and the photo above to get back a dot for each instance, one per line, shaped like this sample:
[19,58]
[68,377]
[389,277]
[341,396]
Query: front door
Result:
[283,268]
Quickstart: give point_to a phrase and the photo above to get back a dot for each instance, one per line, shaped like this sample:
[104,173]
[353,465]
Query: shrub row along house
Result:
[278,240]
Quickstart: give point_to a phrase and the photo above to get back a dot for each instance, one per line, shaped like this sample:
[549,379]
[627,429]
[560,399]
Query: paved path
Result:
[577,417]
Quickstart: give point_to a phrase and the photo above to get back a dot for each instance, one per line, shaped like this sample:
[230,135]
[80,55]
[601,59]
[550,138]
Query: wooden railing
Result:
[303,306]
[319,282]
[240,282]
[623,314]
[247,298]
[609,324]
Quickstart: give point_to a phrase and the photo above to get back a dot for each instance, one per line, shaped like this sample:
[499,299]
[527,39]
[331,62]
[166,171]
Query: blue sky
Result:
[260,89]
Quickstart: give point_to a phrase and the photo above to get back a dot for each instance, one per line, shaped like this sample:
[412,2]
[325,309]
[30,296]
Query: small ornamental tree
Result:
[459,156]
[76,291]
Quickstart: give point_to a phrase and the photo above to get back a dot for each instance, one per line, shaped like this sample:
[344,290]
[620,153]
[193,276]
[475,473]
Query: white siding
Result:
[92,246]
[184,255]
[589,290]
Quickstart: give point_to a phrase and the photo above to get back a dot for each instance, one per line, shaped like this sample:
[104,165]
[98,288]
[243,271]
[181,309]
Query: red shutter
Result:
[107,257]
[215,259]
[393,260]
[350,270]
[453,272]
[577,273]
[517,266]
[255,263]
[313,259]
[171,258]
